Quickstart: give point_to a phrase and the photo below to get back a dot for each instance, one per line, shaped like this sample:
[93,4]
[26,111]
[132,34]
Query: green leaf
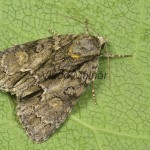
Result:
[121,118]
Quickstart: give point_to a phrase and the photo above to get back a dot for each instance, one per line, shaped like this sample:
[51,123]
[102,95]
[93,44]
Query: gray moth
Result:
[47,76]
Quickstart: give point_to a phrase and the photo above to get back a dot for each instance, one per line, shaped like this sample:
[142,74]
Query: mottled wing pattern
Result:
[44,111]
[17,64]
[46,81]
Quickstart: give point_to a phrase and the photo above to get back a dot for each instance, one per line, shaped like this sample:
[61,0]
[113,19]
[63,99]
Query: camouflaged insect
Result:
[48,76]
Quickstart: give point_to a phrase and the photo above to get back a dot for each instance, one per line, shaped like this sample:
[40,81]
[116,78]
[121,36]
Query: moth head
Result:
[86,46]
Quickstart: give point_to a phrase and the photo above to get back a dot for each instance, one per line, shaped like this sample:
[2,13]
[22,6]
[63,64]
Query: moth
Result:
[47,76]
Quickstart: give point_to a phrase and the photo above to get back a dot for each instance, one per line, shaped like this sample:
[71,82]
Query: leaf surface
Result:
[121,118]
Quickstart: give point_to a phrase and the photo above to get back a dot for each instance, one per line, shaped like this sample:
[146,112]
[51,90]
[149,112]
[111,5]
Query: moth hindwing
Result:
[47,76]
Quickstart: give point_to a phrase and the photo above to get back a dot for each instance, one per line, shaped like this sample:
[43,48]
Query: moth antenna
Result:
[81,22]
[93,93]
[108,60]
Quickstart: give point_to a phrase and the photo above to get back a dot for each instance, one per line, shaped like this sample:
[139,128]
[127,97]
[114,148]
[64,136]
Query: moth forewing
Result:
[48,76]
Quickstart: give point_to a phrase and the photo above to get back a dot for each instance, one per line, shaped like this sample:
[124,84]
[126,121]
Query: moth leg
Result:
[109,55]
[93,93]
[52,32]
[13,44]
[86,23]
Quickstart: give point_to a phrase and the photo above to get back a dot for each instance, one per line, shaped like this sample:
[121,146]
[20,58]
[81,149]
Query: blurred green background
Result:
[121,118]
